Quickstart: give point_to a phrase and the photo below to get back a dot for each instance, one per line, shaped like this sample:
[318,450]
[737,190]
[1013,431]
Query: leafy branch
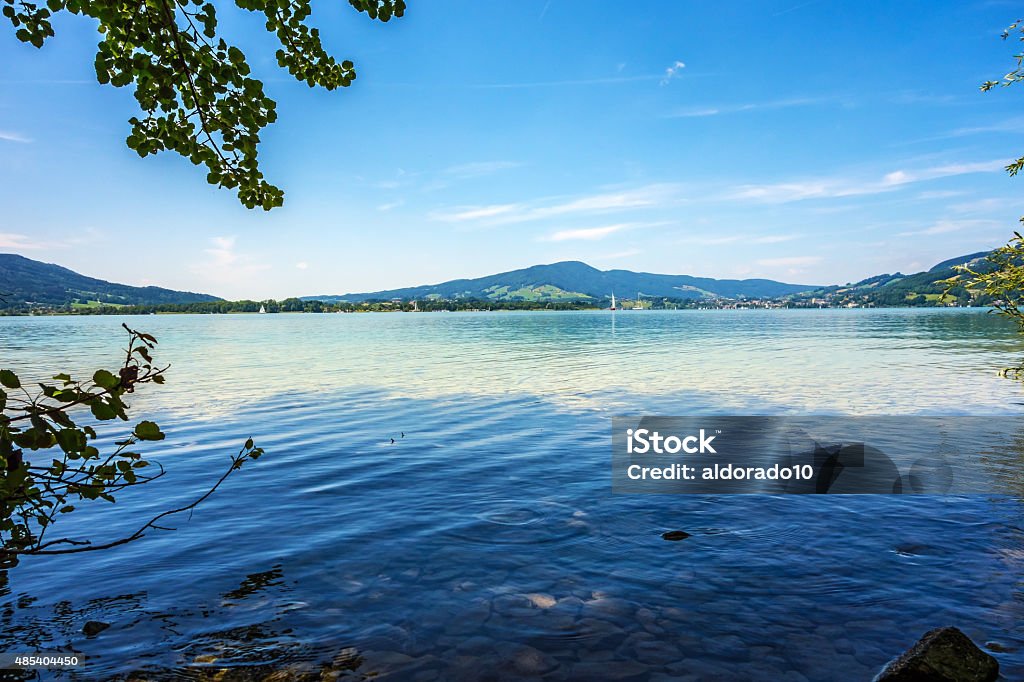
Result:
[194,88]
[34,493]
[1000,275]
[1014,76]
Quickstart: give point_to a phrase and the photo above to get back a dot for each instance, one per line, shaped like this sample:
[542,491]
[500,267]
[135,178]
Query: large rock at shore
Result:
[942,655]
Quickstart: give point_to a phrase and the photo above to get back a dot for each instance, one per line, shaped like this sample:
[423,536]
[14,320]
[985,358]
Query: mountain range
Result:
[24,281]
[573,280]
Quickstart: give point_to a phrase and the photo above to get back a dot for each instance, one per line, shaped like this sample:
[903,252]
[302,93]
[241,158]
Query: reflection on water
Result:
[825,361]
[486,543]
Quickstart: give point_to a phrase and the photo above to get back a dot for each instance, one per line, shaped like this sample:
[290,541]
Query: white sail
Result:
[613,300]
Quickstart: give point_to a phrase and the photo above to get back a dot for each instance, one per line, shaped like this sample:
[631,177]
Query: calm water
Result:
[486,543]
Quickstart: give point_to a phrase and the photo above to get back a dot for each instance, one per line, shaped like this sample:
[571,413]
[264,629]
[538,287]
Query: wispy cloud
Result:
[795,8]
[611,80]
[845,187]
[225,264]
[774,239]
[587,233]
[947,226]
[391,205]
[603,202]
[672,72]
[940,194]
[223,251]
[718,240]
[302,265]
[901,177]
[710,240]
[789,261]
[990,204]
[10,240]
[616,255]
[471,213]
[480,168]
[717,109]
[10,136]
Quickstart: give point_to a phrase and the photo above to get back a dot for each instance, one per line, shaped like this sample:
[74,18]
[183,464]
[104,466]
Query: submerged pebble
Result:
[675,535]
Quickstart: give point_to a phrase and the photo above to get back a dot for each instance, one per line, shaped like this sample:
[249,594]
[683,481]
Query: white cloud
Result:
[716,109]
[587,233]
[10,136]
[567,83]
[833,187]
[604,202]
[468,213]
[302,265]
[391,205]
[9,240]
[901,177]
[947,226]
[223,251]
[672,71]
[990,204]
[225,265]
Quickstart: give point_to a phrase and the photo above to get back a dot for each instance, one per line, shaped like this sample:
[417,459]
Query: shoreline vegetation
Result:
[295,305]
[436,304]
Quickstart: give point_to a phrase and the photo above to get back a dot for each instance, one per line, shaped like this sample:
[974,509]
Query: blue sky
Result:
[806,141]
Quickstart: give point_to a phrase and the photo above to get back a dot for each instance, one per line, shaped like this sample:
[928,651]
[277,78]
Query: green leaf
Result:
[102,411]
[147,430]
[71,440]
[9,379]
[105,379]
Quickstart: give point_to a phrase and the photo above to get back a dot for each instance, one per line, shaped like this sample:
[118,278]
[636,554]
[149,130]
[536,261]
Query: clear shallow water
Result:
[486,544]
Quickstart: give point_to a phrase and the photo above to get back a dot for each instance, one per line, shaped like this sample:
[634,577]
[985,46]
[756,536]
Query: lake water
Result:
[486,544]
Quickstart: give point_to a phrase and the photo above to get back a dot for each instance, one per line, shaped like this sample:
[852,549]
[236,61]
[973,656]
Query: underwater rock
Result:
[541,601]
[675,535]
[529,661]
[942,655]
[94,627]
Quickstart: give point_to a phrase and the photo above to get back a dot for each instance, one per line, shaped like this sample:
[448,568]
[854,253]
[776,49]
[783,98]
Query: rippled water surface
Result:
[485,543]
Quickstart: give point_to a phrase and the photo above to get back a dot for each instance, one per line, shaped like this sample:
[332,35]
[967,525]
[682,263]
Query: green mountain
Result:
[573,280]
[919,289]
[25,283]
[962,260]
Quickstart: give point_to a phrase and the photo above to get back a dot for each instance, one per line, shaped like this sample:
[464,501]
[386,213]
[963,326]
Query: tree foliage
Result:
[195,90]
[49,462]
[1014,76]
[1002,278]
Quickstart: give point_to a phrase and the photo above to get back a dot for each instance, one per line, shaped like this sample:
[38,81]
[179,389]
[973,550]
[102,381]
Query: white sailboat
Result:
[639,305]
[263,311]
[613,300]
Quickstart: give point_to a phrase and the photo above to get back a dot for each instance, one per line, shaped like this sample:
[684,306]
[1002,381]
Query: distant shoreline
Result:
[119,312]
